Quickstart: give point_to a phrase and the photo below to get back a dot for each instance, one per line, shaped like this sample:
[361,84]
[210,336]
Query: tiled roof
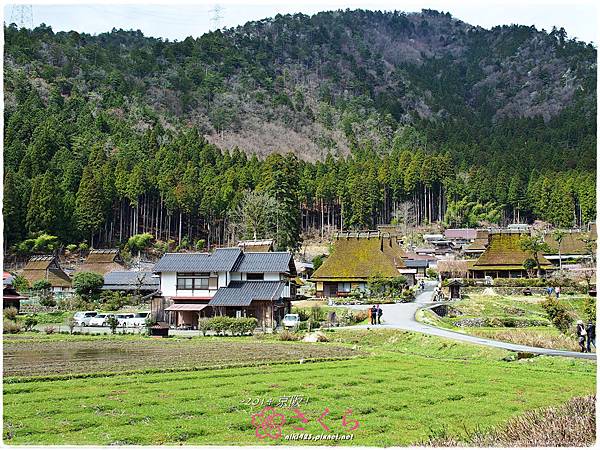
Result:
[264,262]
[416,263]
[222,260]
[242,293]
[130,281]
[460,233]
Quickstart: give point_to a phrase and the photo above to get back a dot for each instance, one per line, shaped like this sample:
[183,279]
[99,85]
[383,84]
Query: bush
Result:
[317,261]
[87,284]
[11,327]
[113,301]
[287,335]
[49,329]
[11,313]
[20,283]
[41,285]
[204,325]
[432,273]
[72,248]
[113,323]
[235,326]
[71,322]
[46,299]
[558,314]
[30,322]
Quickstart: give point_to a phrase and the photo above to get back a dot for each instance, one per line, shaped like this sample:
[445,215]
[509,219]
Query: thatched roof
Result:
[572,244]
[103,261]
[504,253]
[454,267]
[46,267]
[259,245]
[360,259]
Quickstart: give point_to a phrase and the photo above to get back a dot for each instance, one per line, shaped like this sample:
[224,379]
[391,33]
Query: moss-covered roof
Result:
[571,244]
[504,249]
[361,259]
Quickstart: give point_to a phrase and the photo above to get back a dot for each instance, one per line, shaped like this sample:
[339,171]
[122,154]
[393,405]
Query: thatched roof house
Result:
[478,246]
[504,258]
[103,261]
[259,245]
[572,246]
[354,261]
[47,267]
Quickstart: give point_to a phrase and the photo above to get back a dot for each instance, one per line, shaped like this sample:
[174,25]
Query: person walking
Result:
[581,333]
[370,312]
[373,311]
[379,314]
[591,336]
[557,290]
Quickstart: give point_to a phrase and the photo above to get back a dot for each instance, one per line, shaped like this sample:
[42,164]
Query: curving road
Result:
[402,316]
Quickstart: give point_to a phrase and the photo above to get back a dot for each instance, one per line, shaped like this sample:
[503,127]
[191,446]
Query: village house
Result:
[355,260]
[129,282]
[504,258]
[476,248]
[10,297]
[47,267]
[102,261]
[227,282]
[460,236]
[573,247]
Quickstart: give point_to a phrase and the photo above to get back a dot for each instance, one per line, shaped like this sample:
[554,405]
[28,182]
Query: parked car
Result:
[123,317]
[291,320]
[138,320]
[82,318]
[100,320]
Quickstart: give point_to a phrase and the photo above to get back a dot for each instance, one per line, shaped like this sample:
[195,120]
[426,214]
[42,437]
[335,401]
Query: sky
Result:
[177,21]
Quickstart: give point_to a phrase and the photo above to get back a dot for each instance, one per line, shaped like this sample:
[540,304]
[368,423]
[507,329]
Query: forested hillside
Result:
[347,119]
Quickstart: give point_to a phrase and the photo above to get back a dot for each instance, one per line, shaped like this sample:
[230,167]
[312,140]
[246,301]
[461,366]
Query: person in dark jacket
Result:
[379,314]
[581,333]
[373,315]
[591,336]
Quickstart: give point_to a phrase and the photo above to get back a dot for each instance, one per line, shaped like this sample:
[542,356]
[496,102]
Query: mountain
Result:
[316,84]
[381,115]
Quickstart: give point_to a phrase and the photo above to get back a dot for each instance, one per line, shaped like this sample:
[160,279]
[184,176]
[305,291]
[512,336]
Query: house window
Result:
[255,276]
[191,281]
[343,287]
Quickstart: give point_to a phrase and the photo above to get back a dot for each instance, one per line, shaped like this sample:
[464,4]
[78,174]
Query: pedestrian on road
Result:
[591,336]
[581,333]
[379,314]
[549,291]
[373,311]
[557,290]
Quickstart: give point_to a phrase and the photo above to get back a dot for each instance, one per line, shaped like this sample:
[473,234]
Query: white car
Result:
[100,320]
[123,318]
[291,320]
[82,318]
[138,320]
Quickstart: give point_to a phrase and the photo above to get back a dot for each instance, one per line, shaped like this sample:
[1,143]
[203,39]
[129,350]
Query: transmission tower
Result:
[217,15]
[22,16]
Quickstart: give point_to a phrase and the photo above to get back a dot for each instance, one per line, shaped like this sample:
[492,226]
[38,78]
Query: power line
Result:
[22,16]
[216,16]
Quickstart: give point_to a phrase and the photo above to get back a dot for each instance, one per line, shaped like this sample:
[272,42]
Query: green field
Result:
[515,311]
[403,389]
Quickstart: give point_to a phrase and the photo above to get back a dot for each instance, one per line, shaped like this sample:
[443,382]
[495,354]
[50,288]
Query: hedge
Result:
[224,324]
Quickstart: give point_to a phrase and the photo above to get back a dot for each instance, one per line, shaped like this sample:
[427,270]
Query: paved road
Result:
[402,316]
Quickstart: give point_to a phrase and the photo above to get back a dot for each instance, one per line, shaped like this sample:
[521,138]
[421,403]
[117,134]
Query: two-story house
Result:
[227,282]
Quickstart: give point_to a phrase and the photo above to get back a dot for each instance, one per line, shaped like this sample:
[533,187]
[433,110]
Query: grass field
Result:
[506,309]
[403,389]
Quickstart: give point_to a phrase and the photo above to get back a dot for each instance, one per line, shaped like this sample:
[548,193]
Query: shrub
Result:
[317,261]
[20,283]
[139,242]
[200,244]
[322,338]
[87,284]
[70,322]
[287,335]
[558,314]
[204,325]
[30,322]
[84,247]
[72,248]
[11,313]
[589,309]
[11,327]
[113,323]
[49,329]
[41,285]
[113,301]
[432,273]
[46,298]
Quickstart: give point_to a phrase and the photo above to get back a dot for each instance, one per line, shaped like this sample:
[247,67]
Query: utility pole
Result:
[22,16]
[217,15]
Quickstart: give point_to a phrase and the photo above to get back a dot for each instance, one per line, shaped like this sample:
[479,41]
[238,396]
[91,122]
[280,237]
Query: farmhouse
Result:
[103,261]
[47,267]
[130,282]
[228,282]
[504,258]
[10,296]
[572,247]
[355,260]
